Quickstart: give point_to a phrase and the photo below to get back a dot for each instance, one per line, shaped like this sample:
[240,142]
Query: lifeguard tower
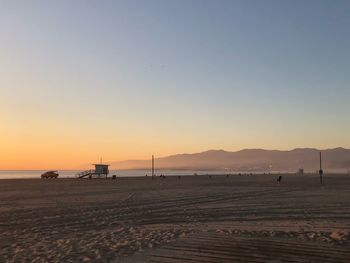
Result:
[100,170]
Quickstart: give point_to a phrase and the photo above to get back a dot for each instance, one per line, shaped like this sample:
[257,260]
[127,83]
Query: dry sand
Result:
[194,219]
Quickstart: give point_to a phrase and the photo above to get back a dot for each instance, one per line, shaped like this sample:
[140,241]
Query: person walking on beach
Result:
[279,179]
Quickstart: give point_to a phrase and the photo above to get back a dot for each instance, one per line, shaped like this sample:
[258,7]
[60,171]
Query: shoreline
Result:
[325,175]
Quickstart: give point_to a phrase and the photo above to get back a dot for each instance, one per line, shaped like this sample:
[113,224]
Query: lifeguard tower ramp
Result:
[100,170]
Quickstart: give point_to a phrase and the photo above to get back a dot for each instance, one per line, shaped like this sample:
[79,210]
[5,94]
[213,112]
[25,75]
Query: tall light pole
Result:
[320,172]
[152,167]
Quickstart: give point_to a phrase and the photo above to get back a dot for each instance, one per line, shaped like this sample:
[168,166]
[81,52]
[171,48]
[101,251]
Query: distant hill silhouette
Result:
[248,160]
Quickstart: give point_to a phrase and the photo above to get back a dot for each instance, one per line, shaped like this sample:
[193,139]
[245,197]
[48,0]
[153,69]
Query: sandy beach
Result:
[192,219]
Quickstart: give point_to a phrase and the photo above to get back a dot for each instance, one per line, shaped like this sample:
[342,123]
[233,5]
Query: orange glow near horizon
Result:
[69,148]
[48,142]
[45,141]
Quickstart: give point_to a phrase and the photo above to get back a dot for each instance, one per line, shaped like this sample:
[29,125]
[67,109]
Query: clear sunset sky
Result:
[127,79]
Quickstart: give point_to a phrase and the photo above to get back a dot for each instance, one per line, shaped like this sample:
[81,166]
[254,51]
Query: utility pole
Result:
[320,171]
[152,167]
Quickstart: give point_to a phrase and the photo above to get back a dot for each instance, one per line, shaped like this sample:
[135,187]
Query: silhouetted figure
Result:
[114,177]
[179,177]
[320,172]
[279,179]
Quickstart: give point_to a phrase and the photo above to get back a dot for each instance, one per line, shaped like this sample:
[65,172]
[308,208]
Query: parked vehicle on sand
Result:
[50,174]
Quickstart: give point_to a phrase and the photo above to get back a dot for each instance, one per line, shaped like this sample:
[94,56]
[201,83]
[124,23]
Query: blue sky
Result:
[175,76]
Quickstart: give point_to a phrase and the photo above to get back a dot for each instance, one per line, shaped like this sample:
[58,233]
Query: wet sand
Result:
[194,219]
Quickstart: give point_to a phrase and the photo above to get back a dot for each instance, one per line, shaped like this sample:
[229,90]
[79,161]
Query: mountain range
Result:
[337,159]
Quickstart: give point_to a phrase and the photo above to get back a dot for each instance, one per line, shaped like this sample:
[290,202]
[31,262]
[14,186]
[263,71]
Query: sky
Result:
[80,80]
